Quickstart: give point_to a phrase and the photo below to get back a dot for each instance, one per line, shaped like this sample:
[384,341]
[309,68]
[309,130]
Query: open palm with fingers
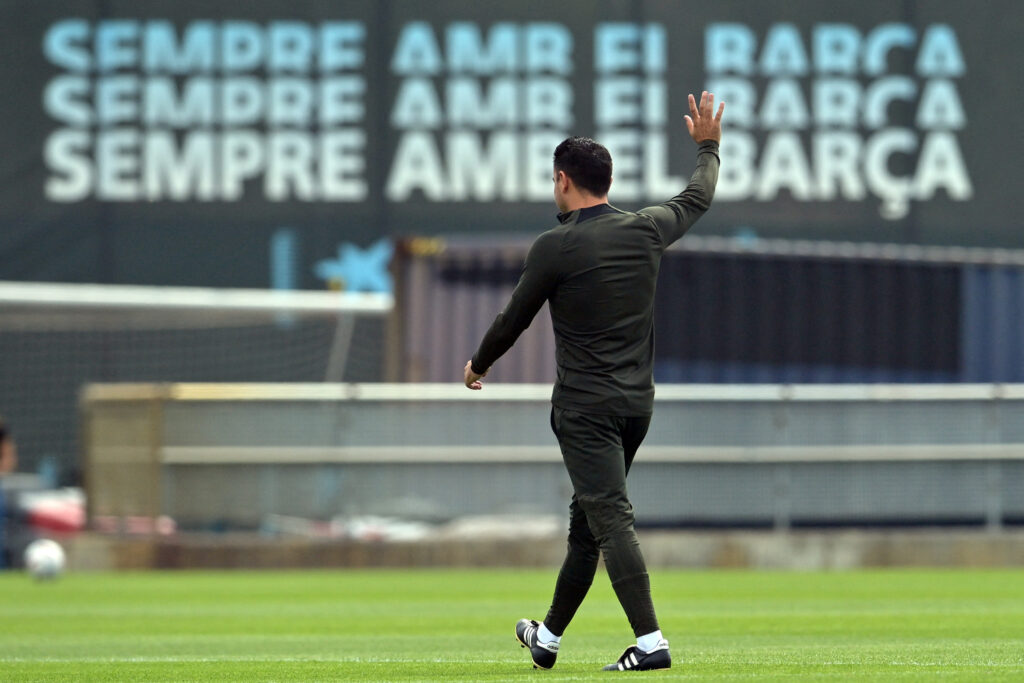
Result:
[703,122]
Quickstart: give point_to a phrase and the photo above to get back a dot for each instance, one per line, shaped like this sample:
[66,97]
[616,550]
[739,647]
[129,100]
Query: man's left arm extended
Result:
[535,285]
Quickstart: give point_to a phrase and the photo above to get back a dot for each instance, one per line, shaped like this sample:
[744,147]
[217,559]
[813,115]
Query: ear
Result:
[564,181]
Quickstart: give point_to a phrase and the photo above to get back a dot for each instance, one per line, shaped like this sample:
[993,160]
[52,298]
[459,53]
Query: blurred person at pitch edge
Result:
[8,461]
[598,271]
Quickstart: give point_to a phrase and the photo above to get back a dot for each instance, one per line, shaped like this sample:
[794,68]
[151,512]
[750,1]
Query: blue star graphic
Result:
[360,270]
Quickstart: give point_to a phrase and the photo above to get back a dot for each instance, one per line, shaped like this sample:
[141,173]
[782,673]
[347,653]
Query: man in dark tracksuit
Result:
[8,461]
[598,270]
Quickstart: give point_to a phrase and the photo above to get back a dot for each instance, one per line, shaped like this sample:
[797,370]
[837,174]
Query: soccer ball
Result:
[44,559]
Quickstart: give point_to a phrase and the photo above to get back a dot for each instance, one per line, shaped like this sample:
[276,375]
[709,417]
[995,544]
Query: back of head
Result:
[587,162]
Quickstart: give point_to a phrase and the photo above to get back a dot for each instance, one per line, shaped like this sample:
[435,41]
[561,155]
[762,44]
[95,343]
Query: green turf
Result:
[435,625]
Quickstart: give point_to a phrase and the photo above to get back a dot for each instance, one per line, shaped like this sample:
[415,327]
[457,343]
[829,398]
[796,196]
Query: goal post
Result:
[22,302]
[55,338]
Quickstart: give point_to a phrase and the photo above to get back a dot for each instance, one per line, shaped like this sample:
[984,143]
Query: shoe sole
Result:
[524,645]
[626,671]
[615,667]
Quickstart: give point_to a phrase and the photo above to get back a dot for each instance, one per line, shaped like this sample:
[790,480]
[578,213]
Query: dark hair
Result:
[587,163]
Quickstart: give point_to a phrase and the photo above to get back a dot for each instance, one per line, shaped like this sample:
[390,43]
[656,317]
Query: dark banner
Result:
[278,143]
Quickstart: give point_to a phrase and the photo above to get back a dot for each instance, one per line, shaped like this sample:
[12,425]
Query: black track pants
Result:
[598,451]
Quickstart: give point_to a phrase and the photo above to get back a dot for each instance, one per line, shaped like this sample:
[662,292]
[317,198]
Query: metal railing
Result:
[742,455]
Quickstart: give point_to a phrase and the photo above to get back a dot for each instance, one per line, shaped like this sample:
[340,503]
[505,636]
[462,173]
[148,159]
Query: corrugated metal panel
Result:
[809,314]
[993,329]
[748,318]
[447,302]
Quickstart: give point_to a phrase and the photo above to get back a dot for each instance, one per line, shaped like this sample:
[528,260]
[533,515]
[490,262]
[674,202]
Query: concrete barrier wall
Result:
[229,456]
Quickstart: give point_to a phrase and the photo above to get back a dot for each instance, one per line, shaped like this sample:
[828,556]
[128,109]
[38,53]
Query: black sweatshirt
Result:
[598,271]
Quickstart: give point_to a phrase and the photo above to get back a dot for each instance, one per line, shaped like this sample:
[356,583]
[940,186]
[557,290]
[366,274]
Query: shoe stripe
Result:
[621,668]
[632,656]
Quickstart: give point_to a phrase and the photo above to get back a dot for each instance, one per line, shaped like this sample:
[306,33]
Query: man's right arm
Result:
[676,216]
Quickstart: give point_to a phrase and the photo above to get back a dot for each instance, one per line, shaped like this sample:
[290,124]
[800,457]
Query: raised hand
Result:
[702,122]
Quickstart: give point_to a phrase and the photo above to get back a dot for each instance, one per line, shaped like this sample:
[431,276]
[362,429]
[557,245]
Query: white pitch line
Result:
[229,658]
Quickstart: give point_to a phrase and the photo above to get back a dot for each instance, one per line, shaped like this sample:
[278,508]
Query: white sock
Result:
[649,642]
[546,636]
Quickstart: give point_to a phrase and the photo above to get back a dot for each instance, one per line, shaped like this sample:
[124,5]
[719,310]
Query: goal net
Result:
[54,338]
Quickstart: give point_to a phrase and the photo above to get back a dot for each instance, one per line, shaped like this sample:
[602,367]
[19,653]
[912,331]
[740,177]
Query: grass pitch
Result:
[450,624]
